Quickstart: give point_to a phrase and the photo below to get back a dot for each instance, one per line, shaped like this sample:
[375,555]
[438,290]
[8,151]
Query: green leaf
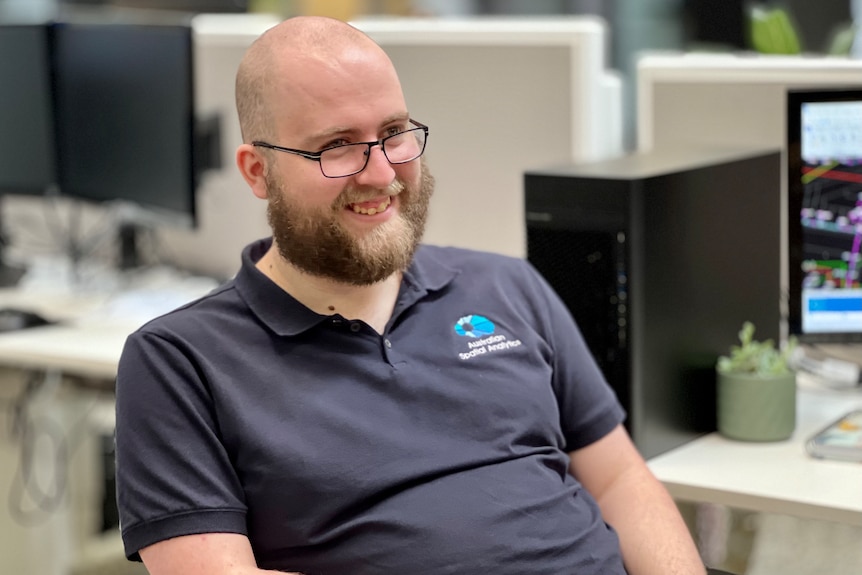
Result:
[772,31]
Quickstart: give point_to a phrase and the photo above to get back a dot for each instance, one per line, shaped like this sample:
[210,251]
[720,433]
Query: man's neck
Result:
[372,304]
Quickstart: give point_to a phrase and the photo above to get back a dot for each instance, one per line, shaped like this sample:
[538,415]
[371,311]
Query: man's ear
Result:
[252,166]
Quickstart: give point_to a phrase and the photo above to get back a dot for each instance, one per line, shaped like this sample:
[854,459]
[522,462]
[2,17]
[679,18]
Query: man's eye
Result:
[335,143]
[394,130]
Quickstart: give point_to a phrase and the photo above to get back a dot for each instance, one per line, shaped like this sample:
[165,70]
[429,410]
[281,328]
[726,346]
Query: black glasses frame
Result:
[315,156]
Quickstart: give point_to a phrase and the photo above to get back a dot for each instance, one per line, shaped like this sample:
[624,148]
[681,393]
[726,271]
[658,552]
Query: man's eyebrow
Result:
[342,130]
[402,117]
[330,133]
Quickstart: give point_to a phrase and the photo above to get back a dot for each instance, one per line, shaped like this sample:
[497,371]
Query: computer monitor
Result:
[26,128]
[824,167]
[124,111]
[26,131]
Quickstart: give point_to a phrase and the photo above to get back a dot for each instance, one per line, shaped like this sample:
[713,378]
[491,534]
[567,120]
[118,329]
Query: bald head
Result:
[284,58]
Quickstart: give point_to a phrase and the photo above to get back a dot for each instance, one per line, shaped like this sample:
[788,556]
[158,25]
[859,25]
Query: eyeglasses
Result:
[350,159]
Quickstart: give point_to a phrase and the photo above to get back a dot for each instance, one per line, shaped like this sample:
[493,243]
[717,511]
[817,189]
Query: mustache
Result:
[353,195]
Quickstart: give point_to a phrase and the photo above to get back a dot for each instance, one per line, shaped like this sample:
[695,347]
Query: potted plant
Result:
[756,392]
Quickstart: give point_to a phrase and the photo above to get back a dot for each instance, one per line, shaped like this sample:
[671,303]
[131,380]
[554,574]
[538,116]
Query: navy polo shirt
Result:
[439,446]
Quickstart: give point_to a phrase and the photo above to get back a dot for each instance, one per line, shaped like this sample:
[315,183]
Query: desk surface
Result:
[91,329]
[771,477]
[90,350]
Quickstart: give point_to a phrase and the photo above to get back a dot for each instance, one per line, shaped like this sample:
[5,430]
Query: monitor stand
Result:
[129,257]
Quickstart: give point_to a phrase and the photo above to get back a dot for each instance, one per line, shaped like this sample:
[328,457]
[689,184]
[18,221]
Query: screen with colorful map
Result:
[824,163]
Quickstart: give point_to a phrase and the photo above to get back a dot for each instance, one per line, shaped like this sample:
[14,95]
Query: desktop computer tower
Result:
[660,257]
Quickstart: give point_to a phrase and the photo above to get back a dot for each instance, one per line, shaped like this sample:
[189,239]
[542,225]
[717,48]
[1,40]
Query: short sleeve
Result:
[174,475]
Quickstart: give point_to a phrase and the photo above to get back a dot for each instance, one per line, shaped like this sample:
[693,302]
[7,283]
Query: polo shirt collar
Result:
[286,316]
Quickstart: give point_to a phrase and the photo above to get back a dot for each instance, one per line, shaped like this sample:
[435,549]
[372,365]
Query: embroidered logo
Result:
[482,330]
[474,326]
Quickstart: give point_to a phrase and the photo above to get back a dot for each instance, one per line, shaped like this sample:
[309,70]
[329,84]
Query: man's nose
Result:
[378,172]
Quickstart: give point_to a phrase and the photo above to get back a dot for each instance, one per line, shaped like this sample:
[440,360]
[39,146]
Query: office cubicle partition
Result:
[501,96]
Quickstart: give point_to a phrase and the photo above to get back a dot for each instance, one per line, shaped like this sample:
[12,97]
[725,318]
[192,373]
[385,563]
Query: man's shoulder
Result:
[494,274]
[220,303]
[465,259]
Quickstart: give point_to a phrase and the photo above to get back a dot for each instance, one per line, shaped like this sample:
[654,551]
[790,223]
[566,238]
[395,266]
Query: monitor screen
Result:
[26,129]
[824,163]
[124,109]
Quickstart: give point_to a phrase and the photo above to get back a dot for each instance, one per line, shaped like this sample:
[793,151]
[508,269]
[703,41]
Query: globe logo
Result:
[474,326]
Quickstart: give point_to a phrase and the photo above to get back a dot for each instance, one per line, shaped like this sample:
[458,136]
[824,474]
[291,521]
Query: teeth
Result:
[371,211]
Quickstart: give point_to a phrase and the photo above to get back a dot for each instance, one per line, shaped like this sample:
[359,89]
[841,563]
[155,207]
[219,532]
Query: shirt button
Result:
[387,343]
[354,327]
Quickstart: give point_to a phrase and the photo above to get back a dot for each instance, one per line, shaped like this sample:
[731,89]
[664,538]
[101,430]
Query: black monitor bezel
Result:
[138,203]
[796,98]
[21,141]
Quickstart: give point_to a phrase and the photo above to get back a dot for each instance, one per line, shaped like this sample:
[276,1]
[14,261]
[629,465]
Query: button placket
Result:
[386,348]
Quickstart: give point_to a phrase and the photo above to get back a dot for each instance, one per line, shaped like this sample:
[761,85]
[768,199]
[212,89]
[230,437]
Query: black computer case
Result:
[660,257]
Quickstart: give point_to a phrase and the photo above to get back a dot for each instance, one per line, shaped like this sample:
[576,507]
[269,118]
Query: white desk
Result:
[89,351]
[92,328]
[771,477]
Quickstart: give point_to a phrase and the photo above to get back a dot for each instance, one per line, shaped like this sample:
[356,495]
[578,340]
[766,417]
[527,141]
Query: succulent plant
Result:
[756,357]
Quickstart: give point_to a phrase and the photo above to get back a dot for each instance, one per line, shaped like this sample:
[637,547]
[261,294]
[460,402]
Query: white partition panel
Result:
[501,96]
[726,98]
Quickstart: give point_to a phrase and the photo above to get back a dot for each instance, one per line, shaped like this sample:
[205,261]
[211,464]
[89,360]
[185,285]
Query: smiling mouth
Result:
[370,211]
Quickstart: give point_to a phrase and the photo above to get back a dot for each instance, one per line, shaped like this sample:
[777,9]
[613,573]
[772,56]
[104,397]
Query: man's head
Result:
[309,84]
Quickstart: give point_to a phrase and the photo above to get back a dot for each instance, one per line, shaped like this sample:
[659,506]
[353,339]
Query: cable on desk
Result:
[829,371]
[68,228]
[29,430]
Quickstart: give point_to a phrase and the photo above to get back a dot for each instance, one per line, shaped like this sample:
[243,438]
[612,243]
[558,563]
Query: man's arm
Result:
[205,554]
[654,538]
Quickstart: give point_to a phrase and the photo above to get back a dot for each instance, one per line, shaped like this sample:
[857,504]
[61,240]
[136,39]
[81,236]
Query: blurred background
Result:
[741,542]
[634,25]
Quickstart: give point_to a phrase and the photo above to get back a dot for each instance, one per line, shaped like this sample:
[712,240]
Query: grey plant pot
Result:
[755,407]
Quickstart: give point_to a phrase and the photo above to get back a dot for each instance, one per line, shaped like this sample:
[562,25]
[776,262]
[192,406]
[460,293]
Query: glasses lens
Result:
[404,147]
[343,160]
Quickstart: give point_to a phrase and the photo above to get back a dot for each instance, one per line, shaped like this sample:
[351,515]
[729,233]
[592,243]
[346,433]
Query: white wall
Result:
[726,99]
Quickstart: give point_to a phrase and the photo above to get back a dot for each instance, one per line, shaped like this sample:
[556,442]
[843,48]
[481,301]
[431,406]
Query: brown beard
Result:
[315,242]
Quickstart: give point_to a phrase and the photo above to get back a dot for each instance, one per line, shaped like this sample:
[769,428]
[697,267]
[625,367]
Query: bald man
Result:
[353,402]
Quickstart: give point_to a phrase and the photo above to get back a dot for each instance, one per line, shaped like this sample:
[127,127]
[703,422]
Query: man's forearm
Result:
[204,554]
[653,536]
